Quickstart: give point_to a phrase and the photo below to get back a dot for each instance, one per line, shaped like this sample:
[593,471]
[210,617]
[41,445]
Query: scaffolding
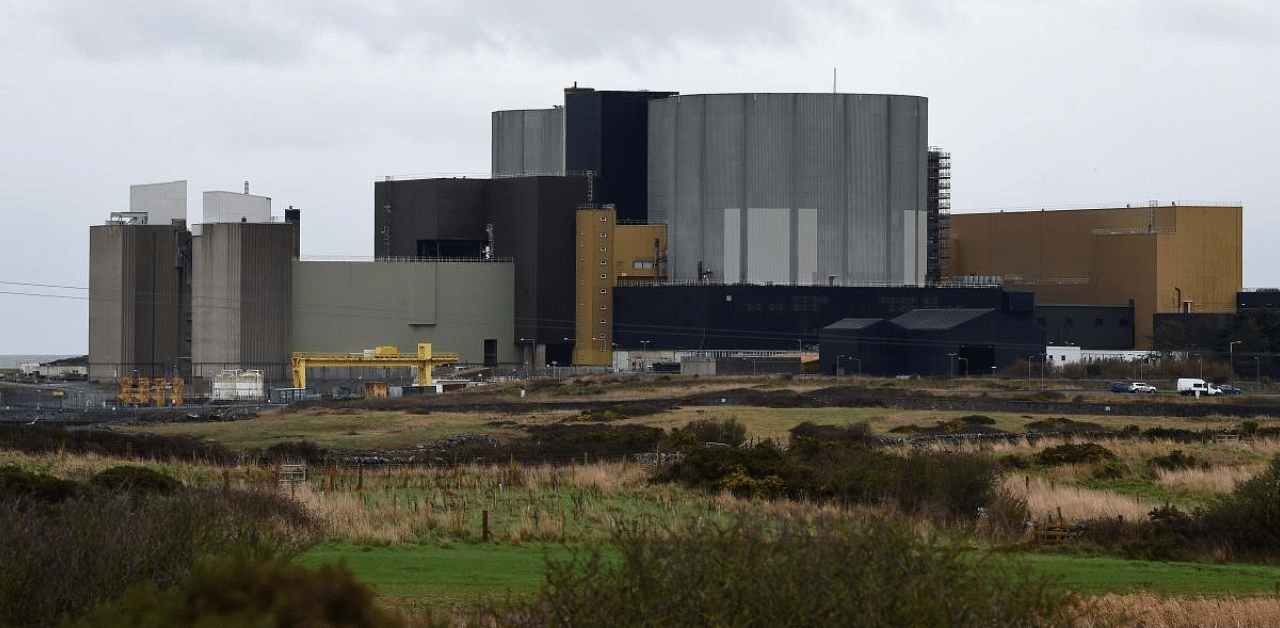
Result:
[938,205]
[423,360]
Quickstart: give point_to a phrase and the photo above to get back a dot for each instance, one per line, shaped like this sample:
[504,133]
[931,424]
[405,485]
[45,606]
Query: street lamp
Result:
[1231,360]
[965,371]
[859,361]
[1257,373]
[951,365]
[839,361]
[644,346]
[993,371]
[1200,359]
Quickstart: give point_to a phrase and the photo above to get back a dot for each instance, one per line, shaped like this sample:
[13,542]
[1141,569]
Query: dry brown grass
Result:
[1048,499]
[1147,610]
[1216,480]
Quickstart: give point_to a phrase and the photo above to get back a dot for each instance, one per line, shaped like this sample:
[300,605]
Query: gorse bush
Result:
[18,486]
[1174,461]
[135,479]
[1073,453]
[63,557]
[938,486]
[244,591]
[727,432]
[1247,521]
[783,573]
[297,451]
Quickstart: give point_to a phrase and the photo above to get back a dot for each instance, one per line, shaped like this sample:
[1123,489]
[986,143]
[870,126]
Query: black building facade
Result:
[607,134]
[530,220]
[1087,326]
[963,342]
[707,317]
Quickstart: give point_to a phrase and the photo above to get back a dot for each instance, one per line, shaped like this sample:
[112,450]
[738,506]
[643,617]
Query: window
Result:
[602,276]
[602,307]
[640,263]
[603,234]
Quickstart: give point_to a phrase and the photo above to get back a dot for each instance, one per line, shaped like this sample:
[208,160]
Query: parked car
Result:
[1120,387]
[1228,389]
[1141,387]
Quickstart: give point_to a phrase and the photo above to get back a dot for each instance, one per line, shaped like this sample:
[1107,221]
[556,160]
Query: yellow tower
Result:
[593,314]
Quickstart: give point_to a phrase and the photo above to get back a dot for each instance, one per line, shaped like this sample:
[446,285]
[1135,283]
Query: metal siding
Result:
[241,293]
[528,142]
[836,154]
[867,213]
[235,207]
[163,202]
[768,250]
[807,254]
[732,245]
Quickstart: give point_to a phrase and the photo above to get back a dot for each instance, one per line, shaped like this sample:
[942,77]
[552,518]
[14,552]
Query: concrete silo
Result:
[803,189]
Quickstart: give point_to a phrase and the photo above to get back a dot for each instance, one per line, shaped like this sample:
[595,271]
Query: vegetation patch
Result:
[1074,453]
[1065,425]
[789,573]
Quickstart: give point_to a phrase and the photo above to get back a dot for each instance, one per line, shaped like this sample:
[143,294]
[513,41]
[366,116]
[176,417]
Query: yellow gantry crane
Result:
[424,361]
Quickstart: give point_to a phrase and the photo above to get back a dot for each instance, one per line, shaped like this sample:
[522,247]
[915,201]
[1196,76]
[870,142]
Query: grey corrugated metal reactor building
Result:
[807,189]
[139,286]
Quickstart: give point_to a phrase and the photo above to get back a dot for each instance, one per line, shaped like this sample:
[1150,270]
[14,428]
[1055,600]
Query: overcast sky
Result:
[1041,103]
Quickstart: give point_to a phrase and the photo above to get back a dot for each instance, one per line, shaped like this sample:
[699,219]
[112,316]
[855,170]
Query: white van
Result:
[1195,386]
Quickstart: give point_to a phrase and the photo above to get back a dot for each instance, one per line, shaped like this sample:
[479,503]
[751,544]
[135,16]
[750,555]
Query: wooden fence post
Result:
[485,526]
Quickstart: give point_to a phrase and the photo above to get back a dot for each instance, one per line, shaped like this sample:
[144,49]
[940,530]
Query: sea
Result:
[12,361]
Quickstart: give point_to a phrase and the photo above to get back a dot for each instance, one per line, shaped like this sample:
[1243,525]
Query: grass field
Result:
[435,577]
[413,532]
[423,577]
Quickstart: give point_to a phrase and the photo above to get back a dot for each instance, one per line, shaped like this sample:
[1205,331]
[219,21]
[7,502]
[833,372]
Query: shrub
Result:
[64,558]
[297,451]
[856,433]
[1247,521]
[790,573]
[1167,537]
[134,479]
[242,591]
[1174,461]
[728,431]
[20,486]
[1073,453]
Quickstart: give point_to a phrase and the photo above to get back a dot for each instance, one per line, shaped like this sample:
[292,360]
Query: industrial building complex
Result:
[661,225]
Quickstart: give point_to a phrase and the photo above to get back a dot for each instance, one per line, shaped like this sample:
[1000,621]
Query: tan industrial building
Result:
[1162,259]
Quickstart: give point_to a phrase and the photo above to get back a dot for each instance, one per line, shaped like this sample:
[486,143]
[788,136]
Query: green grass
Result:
[423,577]
[433,577]
[1100,575]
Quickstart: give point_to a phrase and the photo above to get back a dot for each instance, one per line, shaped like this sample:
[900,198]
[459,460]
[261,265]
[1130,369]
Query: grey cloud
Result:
[1224,20]
[282,32]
